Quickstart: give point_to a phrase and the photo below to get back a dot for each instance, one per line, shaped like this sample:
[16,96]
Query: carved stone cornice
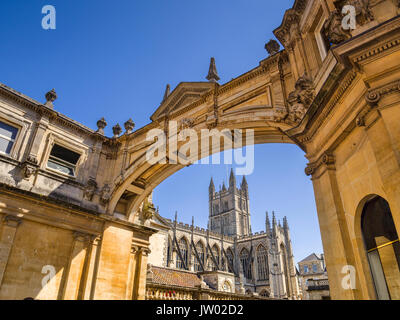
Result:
[327,160]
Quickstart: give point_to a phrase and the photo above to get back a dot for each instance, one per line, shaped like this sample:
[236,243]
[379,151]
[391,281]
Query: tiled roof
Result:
[311,257]
[174,277]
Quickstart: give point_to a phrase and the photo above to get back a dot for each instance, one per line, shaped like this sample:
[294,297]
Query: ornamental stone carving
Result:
[105,194]
[272,47]
[29,167]
[363,11]
[333,30]
[148,210]
[300,99]
[90,189]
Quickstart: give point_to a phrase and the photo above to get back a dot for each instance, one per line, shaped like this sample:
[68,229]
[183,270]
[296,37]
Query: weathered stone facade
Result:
[333,92]
[227,255]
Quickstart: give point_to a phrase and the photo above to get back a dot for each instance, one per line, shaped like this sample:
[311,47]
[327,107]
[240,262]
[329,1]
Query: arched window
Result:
[200,252]
[229,255]
[246,264]
[215,251]
[383,249]
[183,247]
[262,263]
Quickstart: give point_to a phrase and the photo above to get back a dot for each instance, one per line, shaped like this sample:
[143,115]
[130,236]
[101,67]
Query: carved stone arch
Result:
[140,178]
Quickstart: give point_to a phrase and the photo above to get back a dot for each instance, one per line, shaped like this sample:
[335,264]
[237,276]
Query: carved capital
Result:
[81,236]
[12,221]
[372,98]
[144,251]
[327,159]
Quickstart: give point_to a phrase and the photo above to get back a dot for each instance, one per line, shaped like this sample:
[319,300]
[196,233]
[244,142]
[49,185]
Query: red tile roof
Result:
[174,277]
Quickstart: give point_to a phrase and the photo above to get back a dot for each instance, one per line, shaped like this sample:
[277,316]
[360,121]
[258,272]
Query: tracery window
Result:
[246,264]
[183,247]
[229,255]
[200,252]
[215,252]
[262,263]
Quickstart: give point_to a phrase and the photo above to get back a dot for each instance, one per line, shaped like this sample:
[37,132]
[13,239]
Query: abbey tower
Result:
[229,212]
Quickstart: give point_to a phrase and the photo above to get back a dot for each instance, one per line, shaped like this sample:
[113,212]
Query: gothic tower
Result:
[229,208]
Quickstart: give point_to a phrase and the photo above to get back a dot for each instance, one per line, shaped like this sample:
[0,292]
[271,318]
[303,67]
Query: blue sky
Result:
[113,59]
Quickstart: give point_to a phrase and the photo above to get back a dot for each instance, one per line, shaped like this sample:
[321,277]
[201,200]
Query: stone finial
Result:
[272,47]
[117,130]
[129,126]
[212,72]
[167,92]
[101,124]
[51,96]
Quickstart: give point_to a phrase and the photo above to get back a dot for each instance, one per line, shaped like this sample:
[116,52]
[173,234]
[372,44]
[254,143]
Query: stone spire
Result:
[267,223]
[223,186]
[167,92]
[232,181]
[285,223]
[212,72]
[274,226]
[211,188]
[245,186]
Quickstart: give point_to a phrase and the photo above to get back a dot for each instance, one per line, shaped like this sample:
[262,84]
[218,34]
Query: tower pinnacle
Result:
[212,72]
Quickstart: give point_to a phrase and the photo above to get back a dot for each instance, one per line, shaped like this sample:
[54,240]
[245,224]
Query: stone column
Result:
[140,274]
[338,248]
[77,271]
[7,235]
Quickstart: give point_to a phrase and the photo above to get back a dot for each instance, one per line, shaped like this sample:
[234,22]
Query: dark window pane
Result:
[377,222]
[65,154]
[8,131]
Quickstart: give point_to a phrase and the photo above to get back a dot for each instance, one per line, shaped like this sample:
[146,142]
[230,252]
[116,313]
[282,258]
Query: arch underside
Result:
[142,177]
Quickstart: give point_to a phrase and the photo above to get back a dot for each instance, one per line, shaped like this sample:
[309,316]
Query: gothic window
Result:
[246,264]
[8,135]
[183,247]
[382,247]
[200,252]
[169,251]
[262,263]
[229,255]
[215,252]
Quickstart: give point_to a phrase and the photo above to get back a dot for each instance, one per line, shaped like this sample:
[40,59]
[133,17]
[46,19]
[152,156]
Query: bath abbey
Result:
[227,256]
[77,220]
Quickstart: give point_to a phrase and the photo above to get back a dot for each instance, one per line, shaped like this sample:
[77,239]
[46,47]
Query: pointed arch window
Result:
[182,262]
[215,251]
[246,264]
[382,246]
[200,252]
[229,255]
[262,263]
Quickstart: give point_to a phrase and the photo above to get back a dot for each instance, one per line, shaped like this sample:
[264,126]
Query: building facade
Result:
[77,202]
[313,278]
[227,256]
